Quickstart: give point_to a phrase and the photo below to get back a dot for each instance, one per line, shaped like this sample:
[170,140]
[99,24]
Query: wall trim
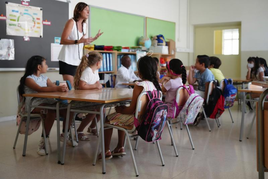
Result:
[7,118]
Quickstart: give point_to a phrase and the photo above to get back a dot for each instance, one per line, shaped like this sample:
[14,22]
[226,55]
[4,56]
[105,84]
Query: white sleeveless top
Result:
[147,85]
[72,54]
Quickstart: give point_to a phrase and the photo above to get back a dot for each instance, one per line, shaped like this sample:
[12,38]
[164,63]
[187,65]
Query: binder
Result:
[111,61]
[104,62]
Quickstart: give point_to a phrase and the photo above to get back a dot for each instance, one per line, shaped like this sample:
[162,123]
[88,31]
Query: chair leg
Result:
[97,150]
[190,136]
[17,135]
[132,154]
[44,136]
[160,153]
[26,134]
[181,123]
[249,131]
[209,129]
[137,143]
[75,130]
[231,115]
[172,138]
[96,122]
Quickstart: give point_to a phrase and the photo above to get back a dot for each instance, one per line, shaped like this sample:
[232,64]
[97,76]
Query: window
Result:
[226,42]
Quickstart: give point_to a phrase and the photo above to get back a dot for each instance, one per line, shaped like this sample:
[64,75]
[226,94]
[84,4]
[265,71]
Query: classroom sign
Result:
[24,20]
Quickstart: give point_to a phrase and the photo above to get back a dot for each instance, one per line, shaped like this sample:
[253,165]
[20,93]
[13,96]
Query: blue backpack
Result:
[154,118]
[229,93]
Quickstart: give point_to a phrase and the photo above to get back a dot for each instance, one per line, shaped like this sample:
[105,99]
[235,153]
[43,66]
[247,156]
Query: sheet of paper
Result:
[55,50]
[7,49]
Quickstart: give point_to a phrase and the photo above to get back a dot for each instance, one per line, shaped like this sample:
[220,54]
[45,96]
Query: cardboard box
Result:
[171,47]
[159,49]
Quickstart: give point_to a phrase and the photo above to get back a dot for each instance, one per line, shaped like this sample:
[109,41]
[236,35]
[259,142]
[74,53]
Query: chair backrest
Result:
[142,102]
[209,91]
[181,97]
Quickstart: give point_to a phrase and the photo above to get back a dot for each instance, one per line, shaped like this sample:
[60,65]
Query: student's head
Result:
[81,10]
[157,63]
[93,60]
[202,62]
[251,60]
[176,69]
[147,69]
[214,62]
[263,62]
[126,61]
[34,64]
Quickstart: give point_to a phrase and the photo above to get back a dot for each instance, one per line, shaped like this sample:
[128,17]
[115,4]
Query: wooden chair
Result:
[222,86]
[32,117]
[181,97]
[140,110]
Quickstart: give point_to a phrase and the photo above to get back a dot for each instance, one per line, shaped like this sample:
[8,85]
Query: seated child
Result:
[124,115]
[33,81]
[214,65]
[87,78]
[203,76]
[124,73]
[176,77]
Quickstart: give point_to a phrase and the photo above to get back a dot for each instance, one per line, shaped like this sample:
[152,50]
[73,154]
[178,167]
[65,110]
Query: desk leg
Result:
[102,138]
[58,131]
[65,133]
[243,115]
[26,132]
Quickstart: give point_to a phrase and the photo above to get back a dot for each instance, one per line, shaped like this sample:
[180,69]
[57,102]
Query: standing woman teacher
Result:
[73,39]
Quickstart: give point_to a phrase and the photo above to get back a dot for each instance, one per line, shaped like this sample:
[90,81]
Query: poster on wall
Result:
[7,49]
[23,20]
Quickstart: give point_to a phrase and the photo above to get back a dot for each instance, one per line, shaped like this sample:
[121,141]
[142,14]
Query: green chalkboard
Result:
[120,29]
[156,27]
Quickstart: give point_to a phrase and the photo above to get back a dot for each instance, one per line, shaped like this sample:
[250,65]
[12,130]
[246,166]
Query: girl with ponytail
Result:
[176,77]
[124,116]
[87,78]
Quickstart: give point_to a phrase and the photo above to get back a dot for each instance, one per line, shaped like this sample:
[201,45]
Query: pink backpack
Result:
[191,107]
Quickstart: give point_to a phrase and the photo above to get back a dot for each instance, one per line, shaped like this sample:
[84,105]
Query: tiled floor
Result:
[217,155]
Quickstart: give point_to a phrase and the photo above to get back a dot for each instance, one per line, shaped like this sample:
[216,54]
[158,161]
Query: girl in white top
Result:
[33,82]
[87,78]
[255,71]
[73,39]
[124,116]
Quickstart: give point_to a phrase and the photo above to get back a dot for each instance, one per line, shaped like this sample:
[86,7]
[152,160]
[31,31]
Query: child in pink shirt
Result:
[176,77]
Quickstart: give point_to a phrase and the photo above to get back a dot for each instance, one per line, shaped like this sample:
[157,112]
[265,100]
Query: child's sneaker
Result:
[69,140]
[41,147]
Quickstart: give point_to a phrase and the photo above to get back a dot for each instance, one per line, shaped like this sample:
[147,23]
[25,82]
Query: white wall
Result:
[252,15]
[169,10]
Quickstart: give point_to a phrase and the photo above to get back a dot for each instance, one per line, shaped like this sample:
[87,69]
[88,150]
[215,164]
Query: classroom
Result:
[223,152]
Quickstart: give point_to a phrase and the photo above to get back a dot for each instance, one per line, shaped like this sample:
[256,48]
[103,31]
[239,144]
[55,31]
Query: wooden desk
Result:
[129,84]
[57,108]
[260,83]
[104,96]
[244,91]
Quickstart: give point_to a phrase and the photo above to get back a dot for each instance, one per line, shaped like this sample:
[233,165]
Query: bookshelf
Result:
[116,54]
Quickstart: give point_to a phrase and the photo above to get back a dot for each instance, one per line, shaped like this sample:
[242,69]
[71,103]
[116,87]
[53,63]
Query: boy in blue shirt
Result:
[203,76]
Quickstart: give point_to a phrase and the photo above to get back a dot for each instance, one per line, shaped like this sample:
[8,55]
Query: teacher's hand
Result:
[97,35]
[86,40]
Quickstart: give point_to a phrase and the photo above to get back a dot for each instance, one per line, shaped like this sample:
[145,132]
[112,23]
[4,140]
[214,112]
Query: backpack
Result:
[215,106]
[229,93]
[34,123]
[191,107]
[154,118]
